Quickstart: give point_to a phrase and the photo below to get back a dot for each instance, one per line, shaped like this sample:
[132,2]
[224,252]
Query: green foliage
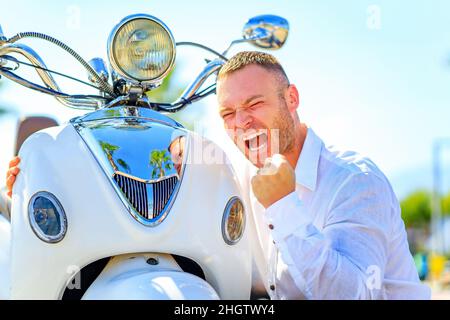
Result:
[168,91]
[108,148]
[446,205]
[160,161]
[416,209]
[124,165]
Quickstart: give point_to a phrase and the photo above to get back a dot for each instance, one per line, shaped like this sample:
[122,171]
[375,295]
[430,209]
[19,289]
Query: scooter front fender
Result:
[148,277]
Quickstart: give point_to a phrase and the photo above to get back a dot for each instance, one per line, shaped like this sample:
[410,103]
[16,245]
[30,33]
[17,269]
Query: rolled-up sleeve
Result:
[346,258]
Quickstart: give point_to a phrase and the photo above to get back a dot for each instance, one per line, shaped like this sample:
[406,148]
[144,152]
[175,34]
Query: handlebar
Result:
[84,102]
[51,85]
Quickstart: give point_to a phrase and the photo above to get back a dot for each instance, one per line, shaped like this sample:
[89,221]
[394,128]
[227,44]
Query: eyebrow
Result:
[253,98]
[247,101]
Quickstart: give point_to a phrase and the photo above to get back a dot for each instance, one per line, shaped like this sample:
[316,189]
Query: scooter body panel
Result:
[99,225]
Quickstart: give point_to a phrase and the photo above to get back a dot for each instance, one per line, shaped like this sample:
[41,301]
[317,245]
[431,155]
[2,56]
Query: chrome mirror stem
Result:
[210,68]
[262,35]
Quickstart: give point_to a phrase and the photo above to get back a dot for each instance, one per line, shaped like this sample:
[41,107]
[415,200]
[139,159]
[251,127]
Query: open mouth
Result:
[256,141]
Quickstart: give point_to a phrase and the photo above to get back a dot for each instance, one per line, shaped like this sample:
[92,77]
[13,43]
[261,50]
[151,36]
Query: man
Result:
[332,219]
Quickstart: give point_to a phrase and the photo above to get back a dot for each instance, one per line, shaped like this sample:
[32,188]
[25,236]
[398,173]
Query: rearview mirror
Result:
[266,31]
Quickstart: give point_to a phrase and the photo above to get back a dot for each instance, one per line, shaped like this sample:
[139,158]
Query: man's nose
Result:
[243,120]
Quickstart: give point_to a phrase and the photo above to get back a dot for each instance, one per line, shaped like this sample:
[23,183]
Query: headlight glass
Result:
[47,217]
[142,48]
[233,222]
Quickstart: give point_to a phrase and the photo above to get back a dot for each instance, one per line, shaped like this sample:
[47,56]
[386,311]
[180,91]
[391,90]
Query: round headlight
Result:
[47,217]
[233,222]
[141,48]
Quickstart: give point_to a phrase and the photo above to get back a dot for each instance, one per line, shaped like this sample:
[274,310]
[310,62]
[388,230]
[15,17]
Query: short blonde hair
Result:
[245,58]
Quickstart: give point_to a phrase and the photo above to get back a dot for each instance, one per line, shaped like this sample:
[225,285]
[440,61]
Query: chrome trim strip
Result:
[143,180]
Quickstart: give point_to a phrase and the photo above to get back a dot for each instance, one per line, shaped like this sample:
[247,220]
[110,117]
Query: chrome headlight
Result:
[233,221]
[141,48]
[47,217]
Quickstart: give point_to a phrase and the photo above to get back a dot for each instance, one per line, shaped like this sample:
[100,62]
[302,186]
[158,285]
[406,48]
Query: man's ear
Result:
[292,98]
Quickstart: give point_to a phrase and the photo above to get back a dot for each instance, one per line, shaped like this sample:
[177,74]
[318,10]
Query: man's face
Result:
[252,105]
[176,149]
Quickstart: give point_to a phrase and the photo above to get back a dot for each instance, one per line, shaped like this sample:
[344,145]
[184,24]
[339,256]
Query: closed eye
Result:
[226,115]
[256,105]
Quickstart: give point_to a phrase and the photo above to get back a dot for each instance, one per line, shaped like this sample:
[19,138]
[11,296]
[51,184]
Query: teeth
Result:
[255,143]
[252,136]
[257,148]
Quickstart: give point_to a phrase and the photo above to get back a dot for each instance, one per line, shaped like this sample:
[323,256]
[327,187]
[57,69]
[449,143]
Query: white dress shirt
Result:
[339,235]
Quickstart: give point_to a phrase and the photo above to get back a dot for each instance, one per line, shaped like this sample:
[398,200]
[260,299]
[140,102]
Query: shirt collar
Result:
[308,162]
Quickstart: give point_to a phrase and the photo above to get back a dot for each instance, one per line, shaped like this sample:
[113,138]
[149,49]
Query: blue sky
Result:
[374,76]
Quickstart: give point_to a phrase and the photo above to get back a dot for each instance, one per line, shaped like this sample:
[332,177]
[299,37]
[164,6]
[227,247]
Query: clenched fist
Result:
[274,181]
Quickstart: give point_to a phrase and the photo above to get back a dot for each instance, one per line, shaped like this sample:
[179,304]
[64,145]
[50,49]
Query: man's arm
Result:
[346,259]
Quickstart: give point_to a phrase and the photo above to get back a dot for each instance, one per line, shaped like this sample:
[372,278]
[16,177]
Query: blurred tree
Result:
[416,209]
[170,90]
[446,205]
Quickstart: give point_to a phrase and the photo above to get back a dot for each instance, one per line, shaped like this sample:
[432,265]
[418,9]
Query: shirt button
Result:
[272,287]
[271,226]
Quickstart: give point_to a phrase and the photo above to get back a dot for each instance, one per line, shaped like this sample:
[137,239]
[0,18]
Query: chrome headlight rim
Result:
[60,211]
[115,66]
[226,214]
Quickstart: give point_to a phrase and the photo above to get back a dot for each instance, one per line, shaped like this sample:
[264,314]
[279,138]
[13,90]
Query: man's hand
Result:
[274,181]
[11,175]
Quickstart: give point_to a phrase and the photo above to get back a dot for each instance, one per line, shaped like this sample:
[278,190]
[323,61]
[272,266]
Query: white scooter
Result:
[114,203]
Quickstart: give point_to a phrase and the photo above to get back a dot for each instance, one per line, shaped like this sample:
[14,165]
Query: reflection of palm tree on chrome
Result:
[160,161]
[109,149]
[124,165]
